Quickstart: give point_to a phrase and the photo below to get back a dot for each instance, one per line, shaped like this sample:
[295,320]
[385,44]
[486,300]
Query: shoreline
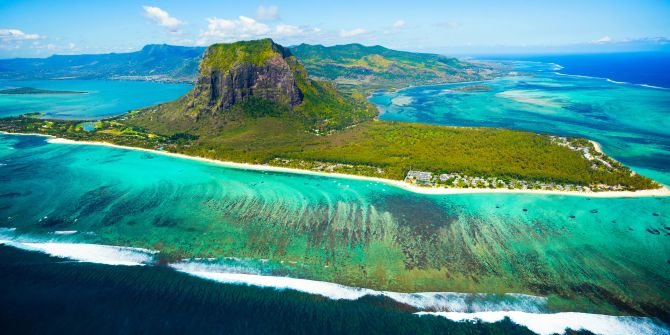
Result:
[663,191]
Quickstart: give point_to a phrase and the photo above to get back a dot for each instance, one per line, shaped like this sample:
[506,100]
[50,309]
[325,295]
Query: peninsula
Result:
[254,102]
[31,90]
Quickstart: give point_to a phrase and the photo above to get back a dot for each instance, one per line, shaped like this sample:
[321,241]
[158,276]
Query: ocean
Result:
[642,68]
[103,98]
[630,121]
[509,253]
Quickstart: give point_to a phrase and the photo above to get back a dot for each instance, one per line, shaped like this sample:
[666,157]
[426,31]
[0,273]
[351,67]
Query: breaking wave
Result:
[611,80]
[556,323]
[526,310]
[427,301]
[91,253]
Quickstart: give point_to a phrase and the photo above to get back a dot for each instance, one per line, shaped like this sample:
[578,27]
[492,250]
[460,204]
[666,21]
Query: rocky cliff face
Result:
[253,79]
[259,71]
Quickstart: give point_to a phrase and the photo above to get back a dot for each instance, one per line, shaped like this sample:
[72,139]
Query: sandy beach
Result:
[596,145]
[661,192]
[664,191]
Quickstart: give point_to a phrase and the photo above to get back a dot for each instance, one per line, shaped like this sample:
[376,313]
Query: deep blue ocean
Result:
[644,68]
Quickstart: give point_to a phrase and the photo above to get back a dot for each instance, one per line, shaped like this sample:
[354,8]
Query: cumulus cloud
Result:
[267,13]
[602,40]
[288,30]
[399,24]
[162,18]
[353,32]
[228,30]
[17,35]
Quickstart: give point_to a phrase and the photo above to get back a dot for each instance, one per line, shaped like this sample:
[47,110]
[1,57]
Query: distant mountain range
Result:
[377,67]
[351,66]
[255,102]
[154,62]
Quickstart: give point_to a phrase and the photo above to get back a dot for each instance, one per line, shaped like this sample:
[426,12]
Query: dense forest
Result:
[374,148]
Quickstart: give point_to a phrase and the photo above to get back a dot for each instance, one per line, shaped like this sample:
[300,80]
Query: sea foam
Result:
[522,309]
[92,253]
[426,301]
[553,323]
[611,81]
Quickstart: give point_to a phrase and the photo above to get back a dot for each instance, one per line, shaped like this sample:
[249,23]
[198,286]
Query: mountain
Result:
[254,102]
[257,78]
[351,66]
[154,62]
[376,67]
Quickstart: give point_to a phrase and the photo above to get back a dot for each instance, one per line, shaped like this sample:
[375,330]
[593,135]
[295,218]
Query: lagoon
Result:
[103,98]
[607,256]
[630,121]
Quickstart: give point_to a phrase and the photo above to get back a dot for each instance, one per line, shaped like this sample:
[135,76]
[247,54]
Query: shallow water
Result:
[596,255]
[630,121]
[103,98]
[353,232]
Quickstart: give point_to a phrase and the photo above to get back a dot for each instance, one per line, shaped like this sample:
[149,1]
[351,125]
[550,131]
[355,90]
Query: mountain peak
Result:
[232,72]
[258,78]
[223,56]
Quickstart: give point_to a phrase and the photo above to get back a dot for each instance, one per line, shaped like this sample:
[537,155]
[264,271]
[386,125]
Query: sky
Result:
[42,28]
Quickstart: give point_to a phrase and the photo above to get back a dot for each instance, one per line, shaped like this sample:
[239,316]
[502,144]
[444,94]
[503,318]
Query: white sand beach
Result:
[663,191]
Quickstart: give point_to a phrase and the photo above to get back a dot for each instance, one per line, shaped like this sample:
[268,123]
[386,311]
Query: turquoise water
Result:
[631,122]
[596,255]
[104,98]
[615,249]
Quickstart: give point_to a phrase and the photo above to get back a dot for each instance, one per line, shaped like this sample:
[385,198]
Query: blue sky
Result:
[42,28]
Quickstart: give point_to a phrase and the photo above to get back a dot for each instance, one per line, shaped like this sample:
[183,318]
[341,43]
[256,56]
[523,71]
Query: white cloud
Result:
[399,24]
[269,13]
[288,30]
[602,40]
[17,35]
[162,18]
[353,32]
[228,30]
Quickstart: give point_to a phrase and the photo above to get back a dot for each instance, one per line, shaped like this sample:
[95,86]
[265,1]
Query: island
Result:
[256,106]
[254,102]
[472,88]
[31,91]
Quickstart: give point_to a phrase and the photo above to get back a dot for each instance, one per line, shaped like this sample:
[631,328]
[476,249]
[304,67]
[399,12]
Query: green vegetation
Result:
[318,105]
[273,113]
[472,88]
[223,57]
[31,90]
[398,241]
[373,148]
[325,107]
[368,68]
[153,62]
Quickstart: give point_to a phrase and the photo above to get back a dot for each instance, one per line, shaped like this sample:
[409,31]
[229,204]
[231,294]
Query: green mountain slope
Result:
[153,62]
[350,66]
[252,79]
[376,67]
[254,102]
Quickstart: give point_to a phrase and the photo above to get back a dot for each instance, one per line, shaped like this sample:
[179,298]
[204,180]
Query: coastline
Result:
[663,191]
